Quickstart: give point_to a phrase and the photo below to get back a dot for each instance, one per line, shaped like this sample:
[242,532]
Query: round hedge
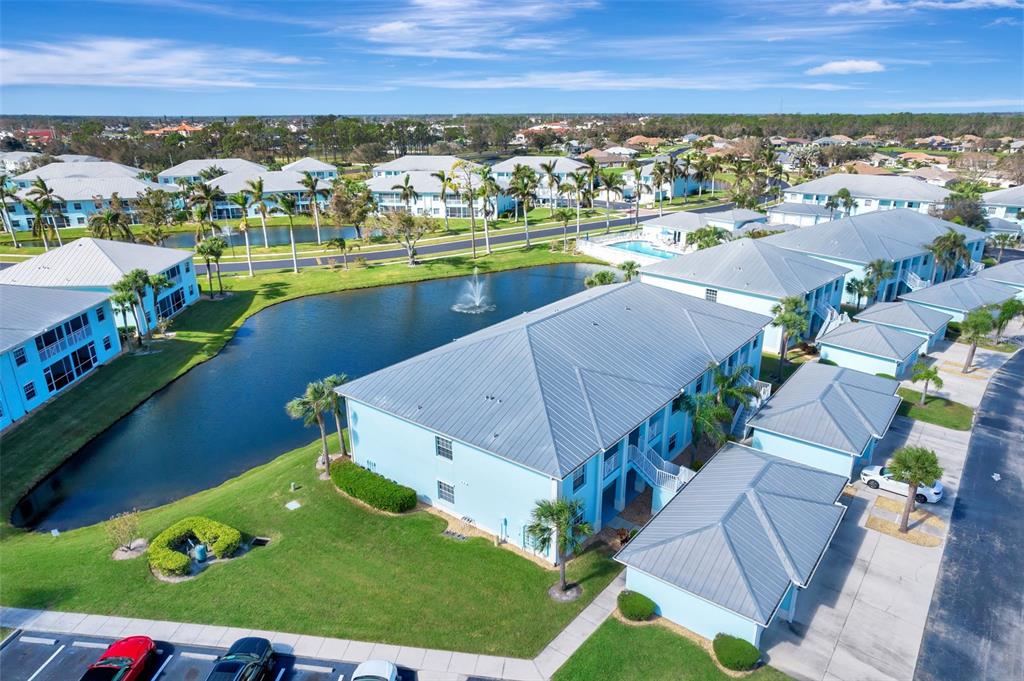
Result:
[735,653]
[222,539]
[635,606]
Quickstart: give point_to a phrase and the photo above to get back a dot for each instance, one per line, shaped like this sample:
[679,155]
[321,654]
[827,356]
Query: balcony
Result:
[610,466]
[68,341]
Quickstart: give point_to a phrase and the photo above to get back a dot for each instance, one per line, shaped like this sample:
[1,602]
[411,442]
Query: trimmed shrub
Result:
[374,489]
[883,375]
[735,653]
[827,362]
[635,606]
[163,552]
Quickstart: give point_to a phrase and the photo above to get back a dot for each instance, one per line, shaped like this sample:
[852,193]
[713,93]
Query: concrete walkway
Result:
[432,665]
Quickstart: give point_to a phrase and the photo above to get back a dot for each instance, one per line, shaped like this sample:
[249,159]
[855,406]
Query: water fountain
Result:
[473,299]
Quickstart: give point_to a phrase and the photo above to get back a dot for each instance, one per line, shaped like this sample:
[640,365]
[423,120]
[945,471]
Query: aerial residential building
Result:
[1007,204]
[1003,226]
[1009,274]
[870,193]
[935,176]
[827,417]
[622,151]
[81,198]
[800,214]
[417,162]
[960,297]
[683,185]
[190,172]
[276,183]
[672,228]
[554,403]
[753,275]
[563,168]
[82,170]
[871,348]
[730,553]
[899,237]
[50,339]
[313,166]
[420,172]
[927,324]
[14,162]
[96,265]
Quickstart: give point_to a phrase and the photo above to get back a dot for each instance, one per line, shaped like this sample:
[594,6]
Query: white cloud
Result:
[846,66]
[959,104]
[879,6]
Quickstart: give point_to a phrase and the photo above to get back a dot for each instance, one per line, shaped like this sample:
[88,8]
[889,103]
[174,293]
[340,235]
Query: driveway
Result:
[966,388]
[863,615]
[975,629]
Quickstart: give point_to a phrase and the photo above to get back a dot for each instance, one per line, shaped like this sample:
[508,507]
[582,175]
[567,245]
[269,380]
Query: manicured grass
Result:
[57,430]
[621,652]
[332,568]
[770,367]
[936,410]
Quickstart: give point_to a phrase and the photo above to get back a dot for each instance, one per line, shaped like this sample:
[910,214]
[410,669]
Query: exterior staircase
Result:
[738,427]
[831,318]
[913,281]
[658,472]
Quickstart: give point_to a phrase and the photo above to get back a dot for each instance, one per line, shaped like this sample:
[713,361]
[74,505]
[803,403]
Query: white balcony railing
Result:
[69,340]
[611,466]
[657,471]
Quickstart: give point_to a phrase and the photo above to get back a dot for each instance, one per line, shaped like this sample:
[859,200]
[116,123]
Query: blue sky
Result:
[187,57]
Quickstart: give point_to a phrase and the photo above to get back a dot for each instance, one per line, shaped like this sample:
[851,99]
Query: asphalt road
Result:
[975,627]
[39,656]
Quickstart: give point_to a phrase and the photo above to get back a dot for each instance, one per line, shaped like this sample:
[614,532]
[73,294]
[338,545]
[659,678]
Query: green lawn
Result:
[770,367]
[621,652]
[937,410]
[57,430]
[332,568]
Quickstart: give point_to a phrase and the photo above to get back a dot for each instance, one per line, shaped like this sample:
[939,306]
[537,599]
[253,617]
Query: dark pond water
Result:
[227,415]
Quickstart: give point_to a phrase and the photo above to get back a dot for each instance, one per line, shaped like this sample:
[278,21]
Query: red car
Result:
[125,660]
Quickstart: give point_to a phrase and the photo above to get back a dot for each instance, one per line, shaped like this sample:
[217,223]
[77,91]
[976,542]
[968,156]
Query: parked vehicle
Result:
[248,659]
[879,477]
[124,660]
[376,670]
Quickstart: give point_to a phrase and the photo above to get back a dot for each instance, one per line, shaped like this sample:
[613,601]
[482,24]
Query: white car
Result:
[879,477]
[376,670]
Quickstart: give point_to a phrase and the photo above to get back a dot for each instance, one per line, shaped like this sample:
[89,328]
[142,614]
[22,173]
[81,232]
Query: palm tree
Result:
[593,173]
[857,288]
[564,215]
[447,182]
[204,252]
[577,183]
[599,278]
[844,200]
[927,373]
[522,189]
[1008,311]
[672,173]
[659,176]
[630,269]
[684,167]
[406,192]
[42,193]
[213,249]
[157,283]
[950,249]
[1002,242]
[974,329]
[790,315]
[6,194]
[557,522]
[915,466]
[612,183]
[39,225]
[707,237]
[254,188]
[110,224]
[344,246]
[831,204]
[287,205]
[242,200]
[468,191]
[729,387]
[547,171]
[707,416]
[311,406]
[206,196]
[879,271]
[331,382]
[488,187]
[714,164]
[137,281]
[123,300]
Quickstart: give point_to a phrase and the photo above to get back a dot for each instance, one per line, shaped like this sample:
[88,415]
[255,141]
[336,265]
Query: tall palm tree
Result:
[206,196]
[593,172]
[110,224]
[200,215]
[974,329]
[547,170]
[214,248]
[927,373]
[554,523]
[123,300]
[311,406]
[204,251]
[612,183]
[714,164]
[331,382]
[1008,311]
[40,228]
[137,280]
[242,200]
[5,194]
[254,188]
[406,192]
[447,182]
[729,387]
[859,288]
[488,187]
[43,193]
[314,192]
[659,175]
[1002,242]
[157,283]
[576,183]
[707,416]
[522,188]
[915,466]
[564,215]
[672,173]
[288,206]
[878,272]
[344,246]
[790,315]
[684,165]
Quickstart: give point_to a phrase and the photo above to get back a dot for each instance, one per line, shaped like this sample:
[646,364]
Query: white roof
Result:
[77,158]
[312,165]
[563,164]
[873,186]
[81,169]
[30,310]
[197,165]
[418,162]
[422,181]
[622,151]
[85,188]
[1014,196]
[273,181]
[90,262]
[17,156]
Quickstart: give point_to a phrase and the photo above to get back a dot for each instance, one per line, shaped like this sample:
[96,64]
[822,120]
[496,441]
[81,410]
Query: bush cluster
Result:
[164,555]
[735,653]
[374,489]
[635,606]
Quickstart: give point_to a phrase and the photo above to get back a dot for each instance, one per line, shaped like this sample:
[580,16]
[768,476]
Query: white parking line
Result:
[313,668]
[38,639]
[280,674]
[89,644]
[161,670]
[199,656]
[43,666]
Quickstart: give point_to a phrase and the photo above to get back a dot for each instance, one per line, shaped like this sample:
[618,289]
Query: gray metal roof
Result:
[78,169]
[1003,226]
[685,220]
[904,315]
[830,406]
[962,295]
[90,262]
[1014,196]
[274,181]
[563,164]
[195,166]
[86,188]
[550,388]
[423,162]
[30,310]
[873,186]
[422,181]
[747,526]
[1011,272]
[801,209]
[872,339]
[886,234]
[750,265]
[309,164]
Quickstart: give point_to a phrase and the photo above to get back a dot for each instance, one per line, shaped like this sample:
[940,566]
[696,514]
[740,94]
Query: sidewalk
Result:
[433,665]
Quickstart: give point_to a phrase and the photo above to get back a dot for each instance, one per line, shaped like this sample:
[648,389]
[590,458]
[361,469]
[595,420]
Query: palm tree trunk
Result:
[220,284]
[341,435]
[263,224]
[970,357]
[248,253]
[579,200]
[607,211]
[908,507]
[472,227]
[444,203]
[487,231]
[291,238]
[561,573]
[316,220]
[526,226]
[924,393]
[209,276]
[783,347]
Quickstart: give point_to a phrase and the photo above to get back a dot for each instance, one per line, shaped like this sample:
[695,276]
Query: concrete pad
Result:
[549,661]
[489,665]
[18,618]
[411,657]
[232,634]
[186,633]
[521,670]
[359,651]
[571,638]
[67,621]
[333,649]
[115,627]
[90,625]
[211,635]
[384,651]
[284,643]
[308,646]
[436,660]
[462,663]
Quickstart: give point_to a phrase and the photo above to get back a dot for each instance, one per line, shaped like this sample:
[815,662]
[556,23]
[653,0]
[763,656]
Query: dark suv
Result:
[248,659]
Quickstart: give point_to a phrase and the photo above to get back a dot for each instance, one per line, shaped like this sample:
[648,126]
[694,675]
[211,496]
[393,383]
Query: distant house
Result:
[827,417]
[644,141]
[672,228]
[82,197]
[605,159]
[935,176]
[1007,204]
[628,152]
[192,171]
[732,550]
[960,297]
[95,265]
[564,166]
[927,324]
[420,172]
[313,166]
[871,348]
[14,162]
[1009,274]
[184,129]
[912,157]
[753,275]
[49,340]
[1003,226]
[870,193]
[863,168]
[683,185]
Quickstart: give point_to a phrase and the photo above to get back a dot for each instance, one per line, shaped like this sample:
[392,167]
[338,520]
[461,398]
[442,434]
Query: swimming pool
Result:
[643,247]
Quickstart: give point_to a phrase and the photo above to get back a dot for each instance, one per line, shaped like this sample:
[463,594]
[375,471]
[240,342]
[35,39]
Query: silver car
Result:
[880,477]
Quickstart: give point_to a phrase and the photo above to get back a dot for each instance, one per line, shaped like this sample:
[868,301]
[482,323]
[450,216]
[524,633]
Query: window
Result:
[677,404]
[700,385]
[711,295]
[672,442]
[911,204]
[868,202]
[188,266]
[443,447]
[106,342]
[30,390]
[100,314]
[190,289]
[78,206]
[84,358]
[446,492]
[167,306]
[579,478]
[59,374]
[80,221]
[19,356]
